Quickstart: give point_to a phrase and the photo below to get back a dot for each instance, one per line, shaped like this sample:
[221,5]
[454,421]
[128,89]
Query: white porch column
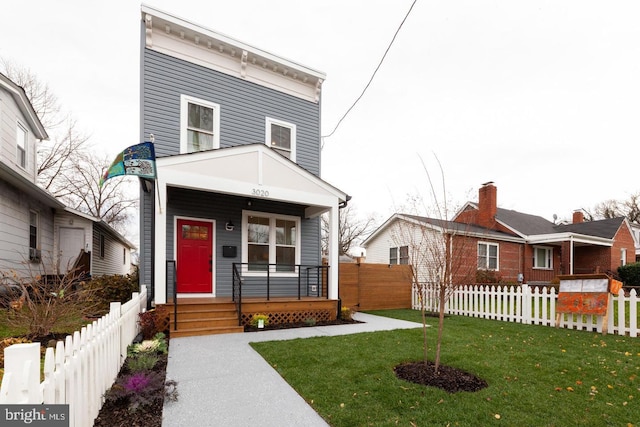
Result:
[571,256]
[334,258]
[159,253]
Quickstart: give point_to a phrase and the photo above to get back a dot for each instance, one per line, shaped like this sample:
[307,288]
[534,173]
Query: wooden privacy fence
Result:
[80,370]
[530,305]
[375,286]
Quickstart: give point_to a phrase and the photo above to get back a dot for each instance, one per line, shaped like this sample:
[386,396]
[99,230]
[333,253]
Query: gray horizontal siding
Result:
[223,208]
[243,107]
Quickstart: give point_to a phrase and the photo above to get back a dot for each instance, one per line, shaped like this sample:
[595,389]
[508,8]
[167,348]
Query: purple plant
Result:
[137,382]
[139,389]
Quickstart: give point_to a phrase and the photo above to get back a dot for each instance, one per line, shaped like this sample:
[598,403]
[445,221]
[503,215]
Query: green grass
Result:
[537,375]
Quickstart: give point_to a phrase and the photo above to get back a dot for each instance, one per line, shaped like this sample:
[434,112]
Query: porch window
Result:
[21,144]
[487,256]
[271,239]
[543,257]
[200,125]
[281,136]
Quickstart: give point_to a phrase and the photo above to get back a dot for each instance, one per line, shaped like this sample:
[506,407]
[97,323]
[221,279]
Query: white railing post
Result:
[633,313]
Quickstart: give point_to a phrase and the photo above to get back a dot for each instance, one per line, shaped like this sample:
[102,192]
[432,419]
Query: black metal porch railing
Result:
[236,292]
[172,273]
[267,280]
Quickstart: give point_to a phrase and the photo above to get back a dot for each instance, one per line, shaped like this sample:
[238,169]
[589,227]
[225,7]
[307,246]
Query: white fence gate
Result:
[530,305]
[80,370]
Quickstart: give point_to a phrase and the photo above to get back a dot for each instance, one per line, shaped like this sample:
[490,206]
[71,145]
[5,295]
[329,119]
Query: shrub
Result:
[255,319]
[154,321]
[114,288]
[345,313]
[310,321]
[50,301]
[630,274]
[488,276]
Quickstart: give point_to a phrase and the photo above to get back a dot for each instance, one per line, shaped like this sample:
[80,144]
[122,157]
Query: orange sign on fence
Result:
[586,294]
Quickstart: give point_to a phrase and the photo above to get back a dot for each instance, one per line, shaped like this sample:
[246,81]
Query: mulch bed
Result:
[117,413]
[449,379]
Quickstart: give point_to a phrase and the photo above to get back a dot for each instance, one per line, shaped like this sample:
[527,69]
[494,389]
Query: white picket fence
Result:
[530,305]
[80,370]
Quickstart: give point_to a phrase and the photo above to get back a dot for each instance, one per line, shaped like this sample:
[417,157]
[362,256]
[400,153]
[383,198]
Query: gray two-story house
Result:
[238,195]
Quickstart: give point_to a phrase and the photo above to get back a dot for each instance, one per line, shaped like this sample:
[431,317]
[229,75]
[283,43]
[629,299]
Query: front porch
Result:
[220,315]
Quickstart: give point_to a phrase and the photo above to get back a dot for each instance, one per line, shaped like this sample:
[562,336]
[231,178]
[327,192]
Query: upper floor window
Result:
[271,239]
[487,256]
[281,136]
[21,143]
[399,255]
[199,125]
[543,257]
[623,257]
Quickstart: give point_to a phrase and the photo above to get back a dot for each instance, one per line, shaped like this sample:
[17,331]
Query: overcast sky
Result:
[541,97]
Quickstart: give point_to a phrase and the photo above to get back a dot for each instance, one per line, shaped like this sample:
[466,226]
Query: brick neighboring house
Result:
[512,243]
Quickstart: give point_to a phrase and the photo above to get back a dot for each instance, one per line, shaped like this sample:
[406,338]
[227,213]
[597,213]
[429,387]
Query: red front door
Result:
[195,261]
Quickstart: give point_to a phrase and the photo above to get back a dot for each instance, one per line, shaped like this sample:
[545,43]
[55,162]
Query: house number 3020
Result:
[259,193]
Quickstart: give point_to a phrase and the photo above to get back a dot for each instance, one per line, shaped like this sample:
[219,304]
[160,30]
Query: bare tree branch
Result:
[351,230]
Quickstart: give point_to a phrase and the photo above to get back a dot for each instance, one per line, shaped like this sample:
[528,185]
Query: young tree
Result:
[441,253]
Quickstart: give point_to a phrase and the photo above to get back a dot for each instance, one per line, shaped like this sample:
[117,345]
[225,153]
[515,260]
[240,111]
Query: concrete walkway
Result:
[222,381]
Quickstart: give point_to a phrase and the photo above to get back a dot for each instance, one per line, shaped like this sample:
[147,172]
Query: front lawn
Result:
[537,375]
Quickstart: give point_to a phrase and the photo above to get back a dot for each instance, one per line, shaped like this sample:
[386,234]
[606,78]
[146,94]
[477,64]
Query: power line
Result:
[372,76]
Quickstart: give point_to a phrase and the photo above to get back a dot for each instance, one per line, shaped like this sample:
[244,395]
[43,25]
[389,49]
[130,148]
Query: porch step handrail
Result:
[236,292]
[171,266]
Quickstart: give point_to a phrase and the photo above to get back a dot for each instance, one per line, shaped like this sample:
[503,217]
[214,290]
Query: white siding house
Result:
[38,234]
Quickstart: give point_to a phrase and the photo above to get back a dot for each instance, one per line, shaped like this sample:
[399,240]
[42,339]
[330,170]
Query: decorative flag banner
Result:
[138,160]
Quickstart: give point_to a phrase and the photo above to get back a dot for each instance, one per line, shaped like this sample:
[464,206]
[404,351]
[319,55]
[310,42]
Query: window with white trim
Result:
[487,256]
[102,245]
[543,257]
[399,255]
[270,239]
[199,125]
[281,136]
[623,257]
[21,146]
[393,256]
[33,235]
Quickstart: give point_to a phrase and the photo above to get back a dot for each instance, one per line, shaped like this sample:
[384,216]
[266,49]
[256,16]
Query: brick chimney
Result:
[578,217]
[487,204]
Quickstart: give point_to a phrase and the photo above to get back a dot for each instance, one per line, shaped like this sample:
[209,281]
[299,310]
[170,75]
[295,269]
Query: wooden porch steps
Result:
[202,317]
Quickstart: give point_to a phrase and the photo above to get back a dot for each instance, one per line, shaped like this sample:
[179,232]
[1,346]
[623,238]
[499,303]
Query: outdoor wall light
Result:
[229,226]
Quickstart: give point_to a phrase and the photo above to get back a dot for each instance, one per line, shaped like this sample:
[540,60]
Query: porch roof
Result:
[253,171]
